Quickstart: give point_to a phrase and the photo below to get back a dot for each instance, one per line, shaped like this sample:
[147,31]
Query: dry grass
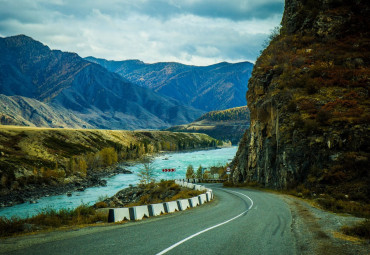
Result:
[50,219]
[361,230]
[164,191]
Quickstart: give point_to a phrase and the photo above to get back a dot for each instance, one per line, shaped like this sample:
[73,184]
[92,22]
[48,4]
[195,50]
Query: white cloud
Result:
[138,30]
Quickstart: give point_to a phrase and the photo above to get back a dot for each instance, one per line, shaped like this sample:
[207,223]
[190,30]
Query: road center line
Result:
[210,228]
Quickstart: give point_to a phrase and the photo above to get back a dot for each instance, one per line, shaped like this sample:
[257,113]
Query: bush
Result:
[51,218]
[362,230]
[323,116]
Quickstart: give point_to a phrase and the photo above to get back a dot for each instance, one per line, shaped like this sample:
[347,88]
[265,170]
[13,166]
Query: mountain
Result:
[215,87]
[223,125]
[88,91]
[23,111]
[309,104]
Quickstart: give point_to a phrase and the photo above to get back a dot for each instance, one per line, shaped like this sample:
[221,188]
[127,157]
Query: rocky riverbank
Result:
[32,192]
[148,194]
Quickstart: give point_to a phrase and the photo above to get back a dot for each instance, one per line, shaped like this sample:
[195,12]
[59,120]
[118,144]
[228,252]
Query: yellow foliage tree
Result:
[82,166]
[109,156]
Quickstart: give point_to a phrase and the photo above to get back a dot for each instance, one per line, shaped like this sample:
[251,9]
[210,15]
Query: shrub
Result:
[292,106]
[323,116]
[362,229]
[101,204]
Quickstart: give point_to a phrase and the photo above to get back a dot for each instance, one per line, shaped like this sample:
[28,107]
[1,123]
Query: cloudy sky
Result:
[198,32]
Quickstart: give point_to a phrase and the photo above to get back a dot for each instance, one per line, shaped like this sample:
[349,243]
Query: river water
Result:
[178,161]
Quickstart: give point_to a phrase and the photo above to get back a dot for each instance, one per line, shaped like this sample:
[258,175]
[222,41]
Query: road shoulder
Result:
[318,231]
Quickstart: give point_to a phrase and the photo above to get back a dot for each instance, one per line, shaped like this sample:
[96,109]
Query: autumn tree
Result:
[199,172]
[146,174]
[190,172]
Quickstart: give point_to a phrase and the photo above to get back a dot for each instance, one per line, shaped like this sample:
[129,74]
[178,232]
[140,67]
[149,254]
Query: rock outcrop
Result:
[309,102]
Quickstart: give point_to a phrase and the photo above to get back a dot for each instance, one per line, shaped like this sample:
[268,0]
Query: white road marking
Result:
[207,229]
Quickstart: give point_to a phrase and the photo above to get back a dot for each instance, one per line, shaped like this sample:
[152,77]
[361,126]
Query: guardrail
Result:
[203,180]
[139,212]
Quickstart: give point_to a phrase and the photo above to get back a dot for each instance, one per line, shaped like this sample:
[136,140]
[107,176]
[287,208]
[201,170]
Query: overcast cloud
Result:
[198,32]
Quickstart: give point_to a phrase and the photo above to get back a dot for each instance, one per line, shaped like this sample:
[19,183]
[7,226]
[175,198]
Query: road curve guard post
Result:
[183,204]
[171,207]
[194,202]
[118,214]
[156,209]
[139,212]
[202,198]
[209,195]
[190,185]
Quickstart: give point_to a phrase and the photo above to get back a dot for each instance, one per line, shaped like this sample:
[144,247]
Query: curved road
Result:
[238,221]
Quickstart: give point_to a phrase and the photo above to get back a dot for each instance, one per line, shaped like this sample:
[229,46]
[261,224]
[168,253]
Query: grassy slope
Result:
[36,155]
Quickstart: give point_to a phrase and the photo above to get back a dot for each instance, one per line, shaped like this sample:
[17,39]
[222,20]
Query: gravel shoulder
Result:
[318,231]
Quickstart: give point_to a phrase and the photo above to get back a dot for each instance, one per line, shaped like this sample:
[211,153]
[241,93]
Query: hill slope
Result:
[228,124]
[309,103]
[215,87]
[93,94]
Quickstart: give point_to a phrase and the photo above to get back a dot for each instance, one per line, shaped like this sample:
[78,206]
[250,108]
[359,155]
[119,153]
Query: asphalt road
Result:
[238,221]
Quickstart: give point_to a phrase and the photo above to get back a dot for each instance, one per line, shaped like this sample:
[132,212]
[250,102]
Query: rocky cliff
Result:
[309,102]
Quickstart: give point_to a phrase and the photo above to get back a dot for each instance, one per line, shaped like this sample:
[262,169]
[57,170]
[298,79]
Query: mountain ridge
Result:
[214,87]
[99,97]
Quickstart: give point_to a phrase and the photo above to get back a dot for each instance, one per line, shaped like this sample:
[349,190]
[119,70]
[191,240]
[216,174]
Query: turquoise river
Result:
[178,161]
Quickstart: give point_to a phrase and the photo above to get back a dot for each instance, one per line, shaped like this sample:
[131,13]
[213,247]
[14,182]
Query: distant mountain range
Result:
[51,88]
[44,87]
[215,87]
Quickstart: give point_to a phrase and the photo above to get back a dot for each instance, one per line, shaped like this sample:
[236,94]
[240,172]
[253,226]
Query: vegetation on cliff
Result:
[309,103]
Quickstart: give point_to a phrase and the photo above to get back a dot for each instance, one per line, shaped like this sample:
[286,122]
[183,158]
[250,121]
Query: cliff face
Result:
[309,102]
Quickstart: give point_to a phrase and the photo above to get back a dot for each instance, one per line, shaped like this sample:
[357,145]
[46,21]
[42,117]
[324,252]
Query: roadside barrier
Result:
[139,212]
[202,199]
[118,214]
[171,207]
[194,201]
[183,204]
[156,209]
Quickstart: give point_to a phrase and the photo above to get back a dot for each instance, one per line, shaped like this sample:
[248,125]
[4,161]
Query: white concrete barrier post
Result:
[202,198]
[118,214]
[183,204]
[139,212]
[156,209]
[194,201]
[170,207]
